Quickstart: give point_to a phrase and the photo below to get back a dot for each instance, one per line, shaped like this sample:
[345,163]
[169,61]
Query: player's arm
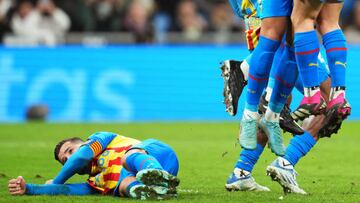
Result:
[18,186]
[59,189]
[83,156]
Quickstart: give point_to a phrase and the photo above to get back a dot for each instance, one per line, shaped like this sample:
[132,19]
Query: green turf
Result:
[207,153]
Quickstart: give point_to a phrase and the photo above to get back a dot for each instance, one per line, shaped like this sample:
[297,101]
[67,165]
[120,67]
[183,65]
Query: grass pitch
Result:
[207,153]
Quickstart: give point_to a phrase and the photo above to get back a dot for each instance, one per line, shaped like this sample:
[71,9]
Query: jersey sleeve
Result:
[99,141]
[95,144]
[236,8]
[59,189]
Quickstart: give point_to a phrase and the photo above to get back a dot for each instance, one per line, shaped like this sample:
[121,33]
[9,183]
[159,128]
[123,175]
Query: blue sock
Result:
[260,66]
[271,82]
[285,79]
[139,161]
[248,158]
[307,50]
[298,147]
[336,51]
[277,59]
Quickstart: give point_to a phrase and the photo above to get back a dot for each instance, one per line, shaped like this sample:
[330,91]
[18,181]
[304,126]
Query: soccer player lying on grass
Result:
[116,165]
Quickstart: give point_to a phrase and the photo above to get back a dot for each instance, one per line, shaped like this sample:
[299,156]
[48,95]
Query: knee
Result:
[128,154]
[325,25]
[301,22]
[274,28]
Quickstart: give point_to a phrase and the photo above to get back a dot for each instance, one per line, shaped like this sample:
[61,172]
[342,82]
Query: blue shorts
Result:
[162,152]
[323,72]
[276,8]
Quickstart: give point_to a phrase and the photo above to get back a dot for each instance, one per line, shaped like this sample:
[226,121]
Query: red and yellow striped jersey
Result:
[252,31]
[106,166]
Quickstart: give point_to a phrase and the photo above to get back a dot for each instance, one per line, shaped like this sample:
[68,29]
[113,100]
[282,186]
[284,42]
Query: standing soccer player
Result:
[235,72]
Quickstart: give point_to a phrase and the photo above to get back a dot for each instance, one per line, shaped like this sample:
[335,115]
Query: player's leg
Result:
[241,178]
[284,81]
[275,13]
[282,169]
[136,160]
[307,49]
[272,30]
[323,76]
[154,163]
[336,50]
[274,68]
[287,123]
[273,26]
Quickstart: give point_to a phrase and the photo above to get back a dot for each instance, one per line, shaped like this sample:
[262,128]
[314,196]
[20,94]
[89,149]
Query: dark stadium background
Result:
[148,69]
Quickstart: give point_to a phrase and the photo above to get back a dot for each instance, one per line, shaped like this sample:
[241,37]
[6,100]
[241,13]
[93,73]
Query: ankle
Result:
[240,173]
[335,92]
[311,91]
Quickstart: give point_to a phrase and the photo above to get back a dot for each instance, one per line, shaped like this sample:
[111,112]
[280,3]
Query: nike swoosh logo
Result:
[340,63]
[285,164]
[313,64]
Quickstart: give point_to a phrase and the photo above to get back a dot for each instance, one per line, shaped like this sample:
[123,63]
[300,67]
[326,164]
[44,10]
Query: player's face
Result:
[67,149]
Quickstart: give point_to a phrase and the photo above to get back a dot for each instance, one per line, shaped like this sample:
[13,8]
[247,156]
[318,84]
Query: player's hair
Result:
[60,144]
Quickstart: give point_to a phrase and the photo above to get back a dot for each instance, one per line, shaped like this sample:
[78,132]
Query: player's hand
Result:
[49,181]
[17,186]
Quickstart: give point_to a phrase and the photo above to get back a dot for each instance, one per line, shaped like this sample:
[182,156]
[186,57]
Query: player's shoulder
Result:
[102,135]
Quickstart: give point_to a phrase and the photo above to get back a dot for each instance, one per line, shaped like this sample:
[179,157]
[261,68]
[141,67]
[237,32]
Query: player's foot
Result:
[288,124]
[248,128]
[234,83]
[335,115]
[314,105]
[272,130]
[341,105]
[145,192]
[284,173]
[243,183]
[158,177]
[337,111]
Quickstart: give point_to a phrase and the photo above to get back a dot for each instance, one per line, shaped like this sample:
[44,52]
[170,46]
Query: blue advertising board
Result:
[126,83]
